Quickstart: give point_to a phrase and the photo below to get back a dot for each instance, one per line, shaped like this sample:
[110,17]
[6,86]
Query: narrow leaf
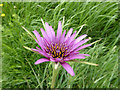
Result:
[27,48]
[43,23]
[84,62]
[63,22]
[29,32]
[79,30]
[30,49]
[96,41]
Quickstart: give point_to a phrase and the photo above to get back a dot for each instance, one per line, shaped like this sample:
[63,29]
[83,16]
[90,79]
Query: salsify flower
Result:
[60,48]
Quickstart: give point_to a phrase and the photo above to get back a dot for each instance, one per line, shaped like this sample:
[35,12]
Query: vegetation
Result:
[19,70]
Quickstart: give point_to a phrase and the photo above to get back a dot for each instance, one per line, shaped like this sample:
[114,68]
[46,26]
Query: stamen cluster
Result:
[57,50]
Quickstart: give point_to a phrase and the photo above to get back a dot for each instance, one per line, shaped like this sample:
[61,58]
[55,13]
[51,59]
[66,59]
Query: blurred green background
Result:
[18,66]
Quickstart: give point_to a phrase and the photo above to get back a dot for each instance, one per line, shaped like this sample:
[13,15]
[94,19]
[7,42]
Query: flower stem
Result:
[55,72]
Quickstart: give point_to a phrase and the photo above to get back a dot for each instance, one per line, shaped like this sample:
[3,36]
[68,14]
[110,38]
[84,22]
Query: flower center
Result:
[57,50]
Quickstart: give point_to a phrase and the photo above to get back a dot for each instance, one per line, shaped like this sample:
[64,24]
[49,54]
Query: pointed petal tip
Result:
[73,74]
[41,61]
[59,21]
[36,63]
[32,49]
[75,31]
[83,58]
[85,34]
[90,44]
[87,45]
[38,48]
[86,40]
[59,30]
[84,55]
[41,28]
[46,23]
[34,31]
[87,55]
[68,68]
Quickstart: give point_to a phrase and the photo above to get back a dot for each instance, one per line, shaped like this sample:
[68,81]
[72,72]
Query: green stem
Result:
[55,72]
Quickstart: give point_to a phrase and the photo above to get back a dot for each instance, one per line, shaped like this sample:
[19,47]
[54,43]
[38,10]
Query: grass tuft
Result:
[100,22]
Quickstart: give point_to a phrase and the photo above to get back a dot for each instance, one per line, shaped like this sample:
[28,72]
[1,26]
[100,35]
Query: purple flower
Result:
[59,48]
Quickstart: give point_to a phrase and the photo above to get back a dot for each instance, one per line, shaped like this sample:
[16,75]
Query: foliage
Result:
[19,70]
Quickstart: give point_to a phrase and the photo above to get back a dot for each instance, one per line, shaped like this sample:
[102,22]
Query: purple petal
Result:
[40,42]
[77,40]
[70,39]
[68,68]
[74,57]
[80,38]
[69,34]
[53,33]
[82,47]
[71,44]
[40,51]
[59,60]
[52,59]
[45,35]
[46,43]
[74,53]
[41,60]
[56,59]
[59,30]
[78,44]
[37,35]
[63,36]
[84,54]
[48,30]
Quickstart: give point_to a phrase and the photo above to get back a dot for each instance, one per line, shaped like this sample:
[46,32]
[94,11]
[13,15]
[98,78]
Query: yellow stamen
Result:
[47,48]
[63,50]
[62,55]
[59,53]
[53,55]
[65,55]
[52,47]
[54,52]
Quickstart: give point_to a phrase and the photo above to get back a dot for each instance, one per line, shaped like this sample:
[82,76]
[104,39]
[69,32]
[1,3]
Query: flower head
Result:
[59,48]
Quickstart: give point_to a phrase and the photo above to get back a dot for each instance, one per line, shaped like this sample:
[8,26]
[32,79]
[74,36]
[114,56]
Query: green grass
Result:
[19,70]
